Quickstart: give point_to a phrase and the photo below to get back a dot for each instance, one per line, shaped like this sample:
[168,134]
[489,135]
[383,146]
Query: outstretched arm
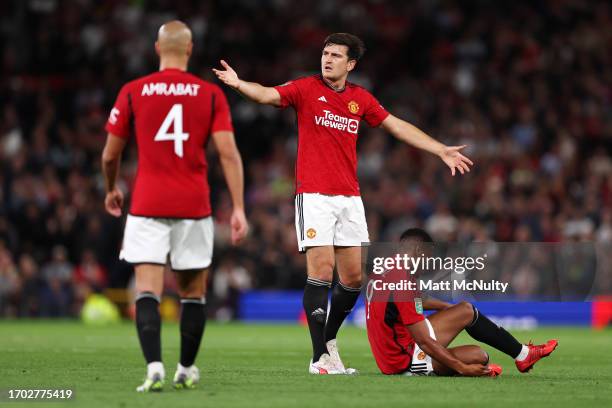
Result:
[252,90]
[111,159]
[231,162]
[420,334]
[410,134]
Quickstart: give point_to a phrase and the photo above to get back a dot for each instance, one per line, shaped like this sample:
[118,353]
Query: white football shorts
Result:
[421,363]
[188,243]
[322,220]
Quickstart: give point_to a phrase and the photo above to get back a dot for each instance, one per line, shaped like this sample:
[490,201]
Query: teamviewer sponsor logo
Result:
[333,121]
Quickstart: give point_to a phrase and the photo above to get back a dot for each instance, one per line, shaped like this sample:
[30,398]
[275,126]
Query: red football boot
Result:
[535,354]
[496,370]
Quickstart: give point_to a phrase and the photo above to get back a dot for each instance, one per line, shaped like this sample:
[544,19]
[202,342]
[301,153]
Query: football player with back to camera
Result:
[172,114]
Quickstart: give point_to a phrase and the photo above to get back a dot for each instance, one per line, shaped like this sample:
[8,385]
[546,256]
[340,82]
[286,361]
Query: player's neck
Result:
[337,85]
[173,63]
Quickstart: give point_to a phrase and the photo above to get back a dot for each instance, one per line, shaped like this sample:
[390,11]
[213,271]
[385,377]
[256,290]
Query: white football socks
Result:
[523,354]
[183,370]
[156,367]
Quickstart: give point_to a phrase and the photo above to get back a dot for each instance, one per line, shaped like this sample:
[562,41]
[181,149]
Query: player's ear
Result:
[351,65]
[189,49]
[157,48]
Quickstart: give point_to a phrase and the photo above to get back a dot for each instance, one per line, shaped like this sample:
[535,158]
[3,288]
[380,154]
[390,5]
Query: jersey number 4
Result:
[173,119]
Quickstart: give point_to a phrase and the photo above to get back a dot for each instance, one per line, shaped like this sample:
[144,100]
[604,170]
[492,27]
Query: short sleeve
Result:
[408,313]
[118,122]
[374,113]
[222,117]
[290,93]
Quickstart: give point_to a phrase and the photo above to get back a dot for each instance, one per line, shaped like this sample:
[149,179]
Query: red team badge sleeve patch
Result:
[222,120]
[118,122]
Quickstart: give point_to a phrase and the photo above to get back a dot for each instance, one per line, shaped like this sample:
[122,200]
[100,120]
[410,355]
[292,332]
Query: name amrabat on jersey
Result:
[162,88]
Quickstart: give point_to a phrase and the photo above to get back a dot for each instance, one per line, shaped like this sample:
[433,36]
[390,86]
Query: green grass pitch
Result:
[266,366]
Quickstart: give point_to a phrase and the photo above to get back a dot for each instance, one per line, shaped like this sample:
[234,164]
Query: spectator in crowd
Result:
[8,283]
[229,281]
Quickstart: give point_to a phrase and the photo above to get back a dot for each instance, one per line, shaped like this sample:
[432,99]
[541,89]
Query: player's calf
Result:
[148,325]
[525,356]
[193,322]
[315,307]
[343,300]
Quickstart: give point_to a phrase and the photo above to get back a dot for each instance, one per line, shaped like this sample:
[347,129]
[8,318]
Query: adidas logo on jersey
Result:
[322,99]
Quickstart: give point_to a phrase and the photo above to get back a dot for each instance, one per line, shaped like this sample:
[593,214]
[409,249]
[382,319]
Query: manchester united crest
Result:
[421,356]
[311,233]
[353,107]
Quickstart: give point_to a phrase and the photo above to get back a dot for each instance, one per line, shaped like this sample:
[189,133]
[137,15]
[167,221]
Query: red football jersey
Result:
[172,114]
[328,124]
[390,341]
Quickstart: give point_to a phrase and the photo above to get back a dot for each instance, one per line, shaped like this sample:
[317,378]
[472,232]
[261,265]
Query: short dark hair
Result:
[356,47]
[417,233]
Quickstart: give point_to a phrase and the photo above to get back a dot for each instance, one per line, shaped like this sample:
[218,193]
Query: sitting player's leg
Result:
[320,266]
[525,356]
[469,354]
[449,322]
[192,290]
[149,286]
[344,296]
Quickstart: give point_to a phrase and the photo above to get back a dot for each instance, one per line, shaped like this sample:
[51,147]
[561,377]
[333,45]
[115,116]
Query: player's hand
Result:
[455,160]
[239,225]
[114,202]
[227,76]
[474,370]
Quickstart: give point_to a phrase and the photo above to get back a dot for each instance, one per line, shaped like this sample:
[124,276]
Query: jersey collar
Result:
[172,70]
[330,87]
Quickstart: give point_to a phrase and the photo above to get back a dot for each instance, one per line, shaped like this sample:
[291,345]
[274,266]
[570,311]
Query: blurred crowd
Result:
[527,86]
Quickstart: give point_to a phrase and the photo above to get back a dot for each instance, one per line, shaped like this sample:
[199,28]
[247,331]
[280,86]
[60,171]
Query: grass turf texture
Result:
[266,366]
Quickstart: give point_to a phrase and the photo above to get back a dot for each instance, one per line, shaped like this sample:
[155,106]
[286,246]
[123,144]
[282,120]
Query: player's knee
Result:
[484,357]
[478,356]
[191,293]
[147,285]
[191,284]
[467,311]
[322,268]
[466,308]
[475,355]
[352,281]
